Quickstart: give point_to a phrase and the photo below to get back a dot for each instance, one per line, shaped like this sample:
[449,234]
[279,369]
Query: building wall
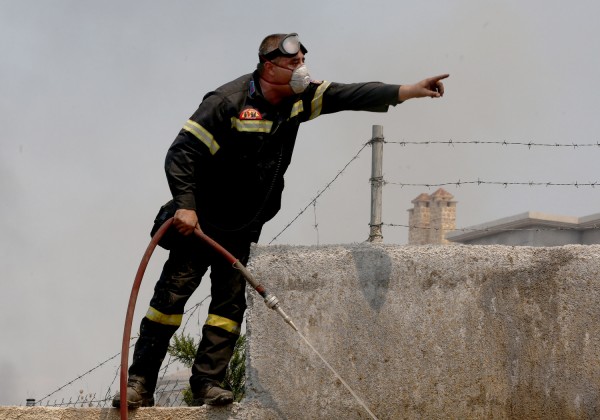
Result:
[591,236]
[534,235]
[532,229]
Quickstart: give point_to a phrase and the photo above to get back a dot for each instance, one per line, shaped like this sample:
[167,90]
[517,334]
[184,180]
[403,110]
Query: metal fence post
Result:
[375,234]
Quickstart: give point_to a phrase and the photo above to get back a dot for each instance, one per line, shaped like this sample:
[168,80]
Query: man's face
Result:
[290,63]
[284,66]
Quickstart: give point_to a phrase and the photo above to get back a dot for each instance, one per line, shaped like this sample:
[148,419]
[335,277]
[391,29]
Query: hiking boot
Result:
[137,395]
[212,394]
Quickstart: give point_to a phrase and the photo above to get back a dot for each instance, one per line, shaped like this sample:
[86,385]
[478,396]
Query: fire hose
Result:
[270,300]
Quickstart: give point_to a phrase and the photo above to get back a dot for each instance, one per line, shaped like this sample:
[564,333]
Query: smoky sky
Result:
[93,93]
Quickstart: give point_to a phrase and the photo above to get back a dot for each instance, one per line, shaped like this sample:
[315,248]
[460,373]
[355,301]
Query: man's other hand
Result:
[185,221]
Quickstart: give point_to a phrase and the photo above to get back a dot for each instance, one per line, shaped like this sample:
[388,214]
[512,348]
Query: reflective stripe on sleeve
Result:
[203,135]
[159,317]
[224,323]
[296,109]
[251,126]
[316,105]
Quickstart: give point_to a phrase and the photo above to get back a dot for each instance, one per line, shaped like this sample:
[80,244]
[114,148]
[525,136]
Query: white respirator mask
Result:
[300,79]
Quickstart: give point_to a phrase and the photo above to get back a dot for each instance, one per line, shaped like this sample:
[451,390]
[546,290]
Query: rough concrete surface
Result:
[428,332]
[248,411]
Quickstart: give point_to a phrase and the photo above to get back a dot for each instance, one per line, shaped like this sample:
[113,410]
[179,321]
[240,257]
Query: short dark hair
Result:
[270,43]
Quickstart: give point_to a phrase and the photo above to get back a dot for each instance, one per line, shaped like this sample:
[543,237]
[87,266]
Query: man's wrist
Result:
[185,201]
[405,92]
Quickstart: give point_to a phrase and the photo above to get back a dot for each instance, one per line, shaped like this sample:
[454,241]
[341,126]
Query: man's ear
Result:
[268,67]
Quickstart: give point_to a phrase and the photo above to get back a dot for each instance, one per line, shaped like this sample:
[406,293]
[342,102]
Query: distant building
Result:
[431,218]
[532,229]
[170,388]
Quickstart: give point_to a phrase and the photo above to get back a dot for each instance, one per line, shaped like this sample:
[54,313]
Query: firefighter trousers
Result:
[188,261]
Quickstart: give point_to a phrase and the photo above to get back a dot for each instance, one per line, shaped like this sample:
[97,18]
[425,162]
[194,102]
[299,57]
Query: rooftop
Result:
[525,220]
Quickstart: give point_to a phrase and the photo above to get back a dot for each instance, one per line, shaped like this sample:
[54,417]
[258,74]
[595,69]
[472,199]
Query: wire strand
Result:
[505,184]
[491,229]
[321,192]
[529,144]
[71,382]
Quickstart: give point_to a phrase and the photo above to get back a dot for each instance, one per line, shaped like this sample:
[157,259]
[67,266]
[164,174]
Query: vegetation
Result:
[183,349]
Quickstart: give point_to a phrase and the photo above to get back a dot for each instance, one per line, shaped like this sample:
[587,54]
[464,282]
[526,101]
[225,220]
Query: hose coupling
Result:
[271,301]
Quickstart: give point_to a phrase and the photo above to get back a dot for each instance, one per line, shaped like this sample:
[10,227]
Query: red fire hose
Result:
[270,300]
[131,308]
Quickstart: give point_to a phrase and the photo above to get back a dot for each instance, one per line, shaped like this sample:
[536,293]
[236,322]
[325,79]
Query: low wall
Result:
[430,332]
[418,332]
[248,411]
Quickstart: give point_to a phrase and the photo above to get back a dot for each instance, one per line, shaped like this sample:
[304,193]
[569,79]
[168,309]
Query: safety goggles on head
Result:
[288,47]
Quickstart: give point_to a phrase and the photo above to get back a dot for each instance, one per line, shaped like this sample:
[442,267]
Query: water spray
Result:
[270,300]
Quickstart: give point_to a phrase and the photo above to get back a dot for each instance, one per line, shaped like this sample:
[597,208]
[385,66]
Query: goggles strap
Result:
[288,47]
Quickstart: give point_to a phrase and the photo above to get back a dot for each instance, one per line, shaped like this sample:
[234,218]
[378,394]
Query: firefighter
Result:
[225,171]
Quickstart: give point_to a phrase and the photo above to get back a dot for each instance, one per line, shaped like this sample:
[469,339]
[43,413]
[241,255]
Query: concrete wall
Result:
[418,332]
[429,332]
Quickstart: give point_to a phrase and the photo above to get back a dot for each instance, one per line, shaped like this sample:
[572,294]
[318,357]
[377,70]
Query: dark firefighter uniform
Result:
[228,164]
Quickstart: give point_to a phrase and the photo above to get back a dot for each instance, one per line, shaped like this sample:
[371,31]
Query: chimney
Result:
[431,217]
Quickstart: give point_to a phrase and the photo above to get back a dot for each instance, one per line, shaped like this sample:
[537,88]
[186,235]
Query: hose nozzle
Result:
[273,303]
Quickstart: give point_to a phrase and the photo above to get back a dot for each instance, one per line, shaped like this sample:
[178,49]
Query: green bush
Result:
[183,349]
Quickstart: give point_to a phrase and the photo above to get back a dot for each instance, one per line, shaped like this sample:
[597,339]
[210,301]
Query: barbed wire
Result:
[321,192]
[451,142]
[71,382]
[505,184]
[89,399]
[474,229]
[82,375]
[109,393]
[529,144]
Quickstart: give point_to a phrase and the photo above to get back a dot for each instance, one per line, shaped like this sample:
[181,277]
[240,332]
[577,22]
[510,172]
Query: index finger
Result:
[440,77]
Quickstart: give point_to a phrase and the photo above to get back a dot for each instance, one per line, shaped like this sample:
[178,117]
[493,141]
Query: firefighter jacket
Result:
[229,160]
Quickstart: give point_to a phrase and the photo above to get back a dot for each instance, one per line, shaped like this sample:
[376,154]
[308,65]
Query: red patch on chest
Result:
[250,114]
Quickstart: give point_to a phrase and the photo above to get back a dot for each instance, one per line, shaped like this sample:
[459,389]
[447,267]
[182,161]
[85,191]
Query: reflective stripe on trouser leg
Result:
[223,323]
[165,319]
[151,348]
[226,313]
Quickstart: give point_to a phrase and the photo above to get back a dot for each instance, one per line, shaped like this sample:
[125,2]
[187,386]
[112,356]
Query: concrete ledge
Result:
[430,332]
[250,411]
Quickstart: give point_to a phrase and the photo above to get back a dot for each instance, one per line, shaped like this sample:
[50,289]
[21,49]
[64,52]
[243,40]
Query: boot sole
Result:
[220,400]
